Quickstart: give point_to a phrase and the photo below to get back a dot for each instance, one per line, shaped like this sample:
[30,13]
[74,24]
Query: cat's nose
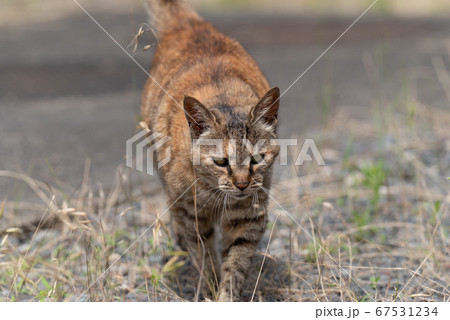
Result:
[241,185]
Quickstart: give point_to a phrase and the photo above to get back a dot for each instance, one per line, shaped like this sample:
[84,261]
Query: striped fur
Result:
[215,90]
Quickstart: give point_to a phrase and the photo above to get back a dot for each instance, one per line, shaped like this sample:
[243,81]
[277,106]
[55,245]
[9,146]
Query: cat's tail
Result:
[167,14]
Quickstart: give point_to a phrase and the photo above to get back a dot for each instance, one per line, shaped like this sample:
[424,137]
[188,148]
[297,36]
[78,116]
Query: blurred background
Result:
[68,93]
[376,104]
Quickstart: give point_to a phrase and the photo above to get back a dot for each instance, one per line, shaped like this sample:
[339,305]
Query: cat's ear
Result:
[199,118]
[266,111]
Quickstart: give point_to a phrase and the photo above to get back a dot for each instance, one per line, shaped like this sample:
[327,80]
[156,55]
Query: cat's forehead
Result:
[232,120]
[236,127]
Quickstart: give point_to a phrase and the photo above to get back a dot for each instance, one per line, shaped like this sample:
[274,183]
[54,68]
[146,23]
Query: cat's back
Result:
[192,55]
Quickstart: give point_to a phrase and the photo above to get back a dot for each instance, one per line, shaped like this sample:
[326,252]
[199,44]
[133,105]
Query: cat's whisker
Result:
[207,201]
[217,196]
[218,211]
[275,186]
[217,203]
[205,191]
[264,188]
[224,207]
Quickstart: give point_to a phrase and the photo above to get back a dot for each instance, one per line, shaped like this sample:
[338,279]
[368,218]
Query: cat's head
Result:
[233,147]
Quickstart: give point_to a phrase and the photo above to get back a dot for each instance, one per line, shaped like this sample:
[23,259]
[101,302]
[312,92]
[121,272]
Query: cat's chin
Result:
[240,196]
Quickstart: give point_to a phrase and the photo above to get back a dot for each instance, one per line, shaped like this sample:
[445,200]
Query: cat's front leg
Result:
[196,235]
[241,236]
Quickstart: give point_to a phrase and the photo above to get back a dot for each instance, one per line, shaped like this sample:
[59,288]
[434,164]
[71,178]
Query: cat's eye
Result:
[221,162]
[257,159]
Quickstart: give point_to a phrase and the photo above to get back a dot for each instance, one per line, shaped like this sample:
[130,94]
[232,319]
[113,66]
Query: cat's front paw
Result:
[225,296]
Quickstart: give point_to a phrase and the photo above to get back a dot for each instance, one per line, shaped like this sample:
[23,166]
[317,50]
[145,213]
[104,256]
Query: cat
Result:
[210,88]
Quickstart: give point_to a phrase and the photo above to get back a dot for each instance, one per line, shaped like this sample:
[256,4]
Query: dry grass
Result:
[371,225]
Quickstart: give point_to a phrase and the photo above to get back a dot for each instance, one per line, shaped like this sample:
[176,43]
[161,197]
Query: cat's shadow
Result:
[271,282]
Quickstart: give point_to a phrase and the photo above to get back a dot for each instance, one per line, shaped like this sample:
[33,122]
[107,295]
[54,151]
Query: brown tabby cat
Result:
[212,90]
